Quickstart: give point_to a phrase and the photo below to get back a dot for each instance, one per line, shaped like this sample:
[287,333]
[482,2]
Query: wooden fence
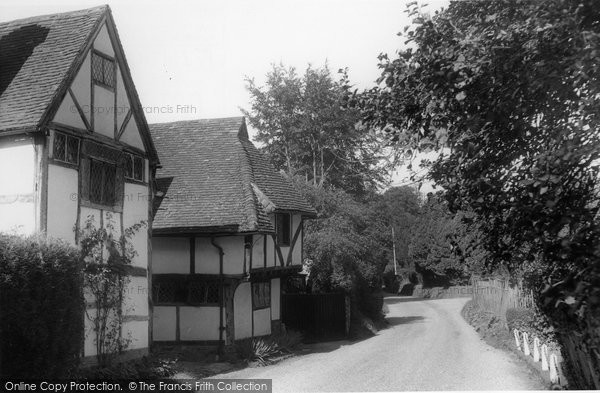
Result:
[441,293]
[319,315]
[582,362]
[498,296]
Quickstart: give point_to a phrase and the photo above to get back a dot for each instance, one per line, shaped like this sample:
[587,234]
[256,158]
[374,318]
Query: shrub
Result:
[41,307]
[519,318]
[372,305]
[262,350]
[288,340]
[259,350]
[391,280]
[532,322]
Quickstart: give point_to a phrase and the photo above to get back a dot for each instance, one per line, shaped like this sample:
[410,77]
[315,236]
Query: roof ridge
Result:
[240,118]
[57,15]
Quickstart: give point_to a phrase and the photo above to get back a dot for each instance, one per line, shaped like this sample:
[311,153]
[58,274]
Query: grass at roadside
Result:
[495,333]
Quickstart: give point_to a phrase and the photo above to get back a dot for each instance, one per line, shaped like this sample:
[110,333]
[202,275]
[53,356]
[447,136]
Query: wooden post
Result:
[394,251]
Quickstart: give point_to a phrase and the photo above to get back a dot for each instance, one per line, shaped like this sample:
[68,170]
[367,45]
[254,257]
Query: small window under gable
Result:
[103,70]
[65,148]
[283,228]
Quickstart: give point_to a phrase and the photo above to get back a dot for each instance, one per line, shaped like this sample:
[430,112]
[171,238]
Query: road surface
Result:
[428,346]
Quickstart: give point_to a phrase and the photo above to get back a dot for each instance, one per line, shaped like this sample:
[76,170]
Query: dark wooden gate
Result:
[318,316]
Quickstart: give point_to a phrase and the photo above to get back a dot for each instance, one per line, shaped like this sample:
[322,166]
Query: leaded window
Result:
[185,289]
[66,148]
[203,292]
[134,167]
[102,182]
[261,294]
[103,70]
[283,228]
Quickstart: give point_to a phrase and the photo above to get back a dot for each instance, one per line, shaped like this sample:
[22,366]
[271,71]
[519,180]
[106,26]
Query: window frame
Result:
[282,240]
[130,159]
[67,139]
[182,290]
[262,293]
[104,165]
[104,58]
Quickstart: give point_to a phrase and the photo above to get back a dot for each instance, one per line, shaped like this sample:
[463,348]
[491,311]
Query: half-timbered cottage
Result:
[227,235]
[74,142]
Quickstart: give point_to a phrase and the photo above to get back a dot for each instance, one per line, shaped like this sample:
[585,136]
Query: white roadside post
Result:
[545,357]
[517,340]
[553,368]
[536,349]
[526,344]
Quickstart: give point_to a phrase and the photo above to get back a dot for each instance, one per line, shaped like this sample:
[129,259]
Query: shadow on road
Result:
[394,321]
[392,299]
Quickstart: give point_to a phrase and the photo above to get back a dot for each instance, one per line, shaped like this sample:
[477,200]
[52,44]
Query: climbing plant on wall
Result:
[107,256]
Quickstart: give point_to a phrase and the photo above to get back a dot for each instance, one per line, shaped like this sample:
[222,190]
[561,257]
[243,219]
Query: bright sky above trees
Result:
[188,58]
[195,54]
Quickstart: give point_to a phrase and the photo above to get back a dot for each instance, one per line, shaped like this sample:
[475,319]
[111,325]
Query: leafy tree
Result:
[347,246]
[511,88]
[444,246]
[307,129]
[402,208]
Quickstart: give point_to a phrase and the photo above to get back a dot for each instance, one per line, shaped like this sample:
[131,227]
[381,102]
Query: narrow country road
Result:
[428,346]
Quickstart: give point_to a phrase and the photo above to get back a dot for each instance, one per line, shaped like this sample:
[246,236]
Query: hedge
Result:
[41,307]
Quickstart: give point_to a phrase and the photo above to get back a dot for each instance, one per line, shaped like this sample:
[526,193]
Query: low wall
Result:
[443,293]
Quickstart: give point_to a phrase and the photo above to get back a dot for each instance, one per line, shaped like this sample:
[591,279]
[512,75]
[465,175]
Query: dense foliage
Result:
[445,247]
[307,129]
[348,247]
[41,307]
[511,88]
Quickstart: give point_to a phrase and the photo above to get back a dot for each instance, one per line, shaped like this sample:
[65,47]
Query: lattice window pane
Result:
[102,182]
[203,292]
[164,292]
[129,166]
[59,146]
[212,292]
[72,150]
[138,168]
[97,68]
[110,178]
[283,229]
[197,292]
[261,293]
[96,174]
[103,70]
[109,72]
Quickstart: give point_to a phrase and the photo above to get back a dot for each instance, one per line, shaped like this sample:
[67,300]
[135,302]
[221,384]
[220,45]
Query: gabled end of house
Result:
[227,237]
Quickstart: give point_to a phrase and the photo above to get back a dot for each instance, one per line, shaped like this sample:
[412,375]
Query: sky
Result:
[189,59]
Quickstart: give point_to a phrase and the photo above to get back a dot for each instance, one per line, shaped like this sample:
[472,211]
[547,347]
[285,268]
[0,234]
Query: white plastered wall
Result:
[135,211]
[170,255]
[17,187]
[164,323]
[62,202]
[242,308]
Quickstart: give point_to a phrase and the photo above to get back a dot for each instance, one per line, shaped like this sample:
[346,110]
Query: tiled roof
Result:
[210,172]
[36,55]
